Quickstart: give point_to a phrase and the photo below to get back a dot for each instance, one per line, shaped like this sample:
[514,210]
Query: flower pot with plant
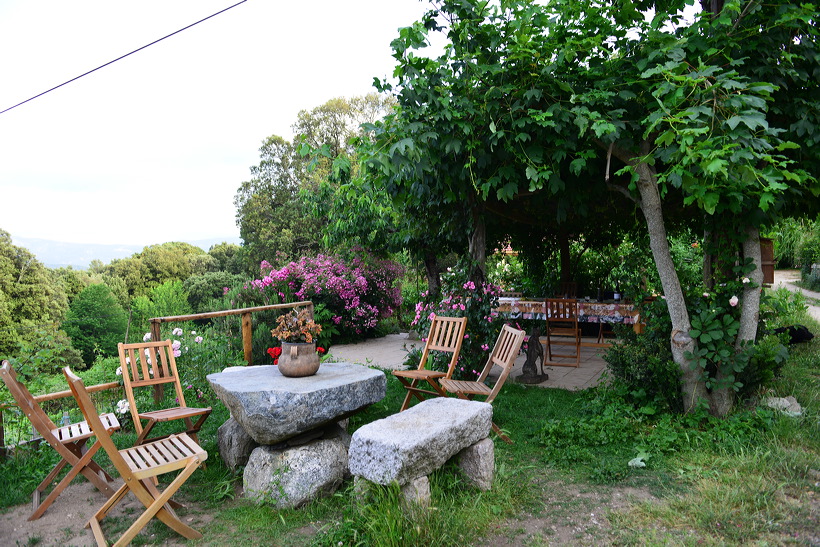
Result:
[297,332]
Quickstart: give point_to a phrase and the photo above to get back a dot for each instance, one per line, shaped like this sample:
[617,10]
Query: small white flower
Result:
[746,280]
[193,332]
[706,295]
[122,406]
[147,337]
[733,301]
[177,332]
[119,371]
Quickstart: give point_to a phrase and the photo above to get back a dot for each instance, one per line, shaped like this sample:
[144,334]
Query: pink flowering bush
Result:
[356,292]
[463,298]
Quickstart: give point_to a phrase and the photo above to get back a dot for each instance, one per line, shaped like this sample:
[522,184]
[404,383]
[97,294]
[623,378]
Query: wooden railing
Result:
[247,327]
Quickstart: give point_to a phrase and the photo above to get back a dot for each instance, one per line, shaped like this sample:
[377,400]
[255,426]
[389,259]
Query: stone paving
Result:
[390,352]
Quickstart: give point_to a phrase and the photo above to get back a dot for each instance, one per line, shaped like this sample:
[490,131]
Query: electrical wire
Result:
[121,57]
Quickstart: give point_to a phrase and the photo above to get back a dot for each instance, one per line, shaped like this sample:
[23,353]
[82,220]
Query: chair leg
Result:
[144,433]
[79,465]
[155,506]
[412,391]
[500,434]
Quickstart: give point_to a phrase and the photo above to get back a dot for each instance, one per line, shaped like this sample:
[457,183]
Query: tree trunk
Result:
[564,253]
[433,273]
[478,249]
[750,300]
[692,386]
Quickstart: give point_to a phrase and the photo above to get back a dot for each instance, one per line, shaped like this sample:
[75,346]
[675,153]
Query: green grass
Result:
[748,479]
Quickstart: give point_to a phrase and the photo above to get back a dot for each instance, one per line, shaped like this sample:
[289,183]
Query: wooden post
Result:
[2,438]
[156,336]
[247,337]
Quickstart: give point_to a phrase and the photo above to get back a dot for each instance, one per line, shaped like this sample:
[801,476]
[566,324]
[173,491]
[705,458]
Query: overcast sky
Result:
[153,147]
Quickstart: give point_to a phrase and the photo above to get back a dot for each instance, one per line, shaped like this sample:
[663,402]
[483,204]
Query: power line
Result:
[121,57]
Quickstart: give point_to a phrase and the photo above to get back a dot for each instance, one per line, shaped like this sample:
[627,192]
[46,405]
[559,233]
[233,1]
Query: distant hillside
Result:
[55,254]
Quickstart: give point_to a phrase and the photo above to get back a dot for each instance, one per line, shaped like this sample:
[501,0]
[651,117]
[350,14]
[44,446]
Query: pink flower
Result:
[485,347]
[198,339]
[733,301]
[177,332]
[225,290]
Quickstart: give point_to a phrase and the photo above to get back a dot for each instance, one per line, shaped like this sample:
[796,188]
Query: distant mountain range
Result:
[56,254]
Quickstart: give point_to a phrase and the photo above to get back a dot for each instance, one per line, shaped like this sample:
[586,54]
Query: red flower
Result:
[320,349]
[275,353]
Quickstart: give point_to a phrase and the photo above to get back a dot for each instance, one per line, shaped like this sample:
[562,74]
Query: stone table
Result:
[284,430]
[272,408]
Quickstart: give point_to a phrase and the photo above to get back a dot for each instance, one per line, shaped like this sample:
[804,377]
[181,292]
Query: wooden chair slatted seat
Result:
[69,441]
[446,335]
[147,364]
[138,468]
[503,355]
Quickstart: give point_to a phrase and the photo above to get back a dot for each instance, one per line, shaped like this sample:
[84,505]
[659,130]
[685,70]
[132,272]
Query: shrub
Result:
[205,291]
[358,292]
[95,322]
[770,354]
[463,298]
[641,364]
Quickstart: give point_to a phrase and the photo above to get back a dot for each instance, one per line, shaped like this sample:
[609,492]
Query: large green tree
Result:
[273,213]
[570,101]
[96,322]
[31,297]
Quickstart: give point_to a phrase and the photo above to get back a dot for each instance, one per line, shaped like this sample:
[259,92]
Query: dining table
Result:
[589,311]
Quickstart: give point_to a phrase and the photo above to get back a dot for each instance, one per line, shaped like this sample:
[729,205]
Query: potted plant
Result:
[297,332]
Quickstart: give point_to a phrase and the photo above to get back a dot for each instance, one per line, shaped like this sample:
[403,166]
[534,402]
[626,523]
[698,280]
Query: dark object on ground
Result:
[535,351]
[797,333]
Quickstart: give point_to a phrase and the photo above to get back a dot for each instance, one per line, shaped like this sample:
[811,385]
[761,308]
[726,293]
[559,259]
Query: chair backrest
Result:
[446,335]
[36,415]
[148,364]
[92,418]
[561,310]
[504,353]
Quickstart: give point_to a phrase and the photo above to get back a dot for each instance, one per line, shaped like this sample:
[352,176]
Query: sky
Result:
[153,147]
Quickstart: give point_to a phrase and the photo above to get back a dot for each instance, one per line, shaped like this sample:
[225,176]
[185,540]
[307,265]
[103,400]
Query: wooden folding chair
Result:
[148,364]
[138,467]
[446,335]
[562,330]
[504,353]
[68,440]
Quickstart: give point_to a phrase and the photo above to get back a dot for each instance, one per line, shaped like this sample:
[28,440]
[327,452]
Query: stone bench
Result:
[408,446]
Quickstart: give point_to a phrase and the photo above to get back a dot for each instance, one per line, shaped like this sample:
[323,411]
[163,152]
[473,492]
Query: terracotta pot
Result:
[298,359]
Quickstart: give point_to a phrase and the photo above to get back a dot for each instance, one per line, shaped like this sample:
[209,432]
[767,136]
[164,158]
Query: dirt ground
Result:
[571,517]
[64,522]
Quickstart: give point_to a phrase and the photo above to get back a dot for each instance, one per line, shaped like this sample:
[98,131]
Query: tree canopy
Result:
[577,113]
